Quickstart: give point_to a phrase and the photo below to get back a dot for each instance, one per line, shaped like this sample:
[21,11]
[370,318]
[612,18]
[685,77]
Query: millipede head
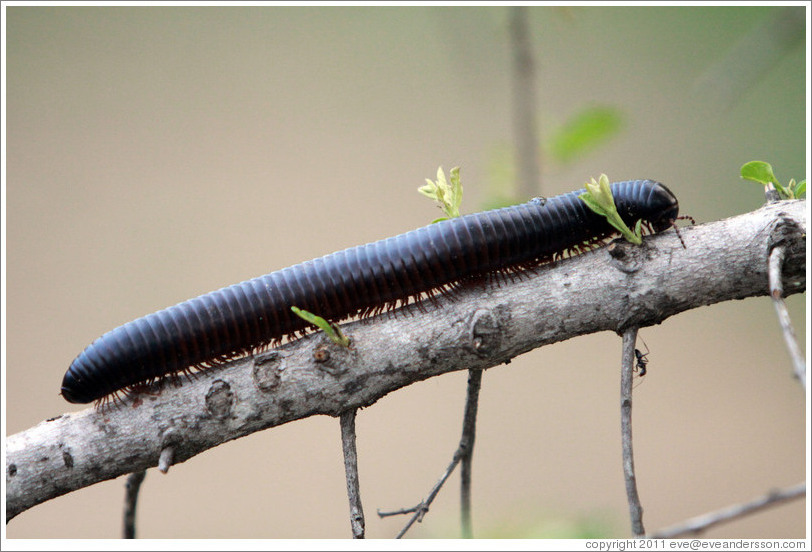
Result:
[664,203]
[74,389]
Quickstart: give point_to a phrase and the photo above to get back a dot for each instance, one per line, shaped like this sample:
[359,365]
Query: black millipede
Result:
[246,317]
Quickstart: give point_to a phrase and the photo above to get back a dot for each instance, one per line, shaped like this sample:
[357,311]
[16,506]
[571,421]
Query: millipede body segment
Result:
[245,317]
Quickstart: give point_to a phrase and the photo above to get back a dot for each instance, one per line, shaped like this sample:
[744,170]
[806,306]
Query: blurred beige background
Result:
[155,154]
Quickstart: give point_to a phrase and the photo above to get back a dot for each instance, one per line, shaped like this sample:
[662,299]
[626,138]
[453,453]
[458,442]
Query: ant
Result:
[642,360]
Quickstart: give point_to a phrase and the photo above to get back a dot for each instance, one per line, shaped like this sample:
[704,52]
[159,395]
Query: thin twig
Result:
[706,521]
[389,513]
[524,104]
[464,449]
[626,376]
[351,471]
[132,486]
[421,509]
[777,294]
[467,448]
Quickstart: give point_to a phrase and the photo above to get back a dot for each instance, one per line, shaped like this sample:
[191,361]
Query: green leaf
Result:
[598,197]
[456,193]
[758,171]
[638,228]
[601,193]
[796,190]
[762,172]
[586,197]
[332,331]
[449,196]
[428,190]
[584,132]
[800,189]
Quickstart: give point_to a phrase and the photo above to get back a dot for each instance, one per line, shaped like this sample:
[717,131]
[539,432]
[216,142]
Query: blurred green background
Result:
[158,153]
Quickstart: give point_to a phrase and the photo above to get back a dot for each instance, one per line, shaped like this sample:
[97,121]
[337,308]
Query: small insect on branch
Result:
[642,360]
[632,496]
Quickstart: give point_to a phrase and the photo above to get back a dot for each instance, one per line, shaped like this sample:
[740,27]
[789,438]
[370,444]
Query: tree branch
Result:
[466,448]
[478,327]
[776,264]
[132,487]
[626,377]
[706,521]
[347,422]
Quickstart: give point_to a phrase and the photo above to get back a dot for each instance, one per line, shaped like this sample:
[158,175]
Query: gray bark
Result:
[481,326]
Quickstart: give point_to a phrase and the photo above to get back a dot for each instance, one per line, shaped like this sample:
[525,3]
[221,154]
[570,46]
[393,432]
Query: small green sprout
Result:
[800,188]
[762,172]
[449,196]
[332,331]
[598,197]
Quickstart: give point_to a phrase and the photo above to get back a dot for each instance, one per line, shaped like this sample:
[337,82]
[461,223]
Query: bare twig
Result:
[706,521]
[777,294]
[132,486]
[464,450]
[467,449]
[626,377]
[421,509]
[724,261]
[402,511]
[524,104]
[351,471]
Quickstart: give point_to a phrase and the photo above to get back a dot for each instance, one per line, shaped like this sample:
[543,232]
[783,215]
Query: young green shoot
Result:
[449,196]
[332,330]
[762,172]
[599,198]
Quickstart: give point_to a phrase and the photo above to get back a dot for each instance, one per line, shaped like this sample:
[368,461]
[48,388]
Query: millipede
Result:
[360,281]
